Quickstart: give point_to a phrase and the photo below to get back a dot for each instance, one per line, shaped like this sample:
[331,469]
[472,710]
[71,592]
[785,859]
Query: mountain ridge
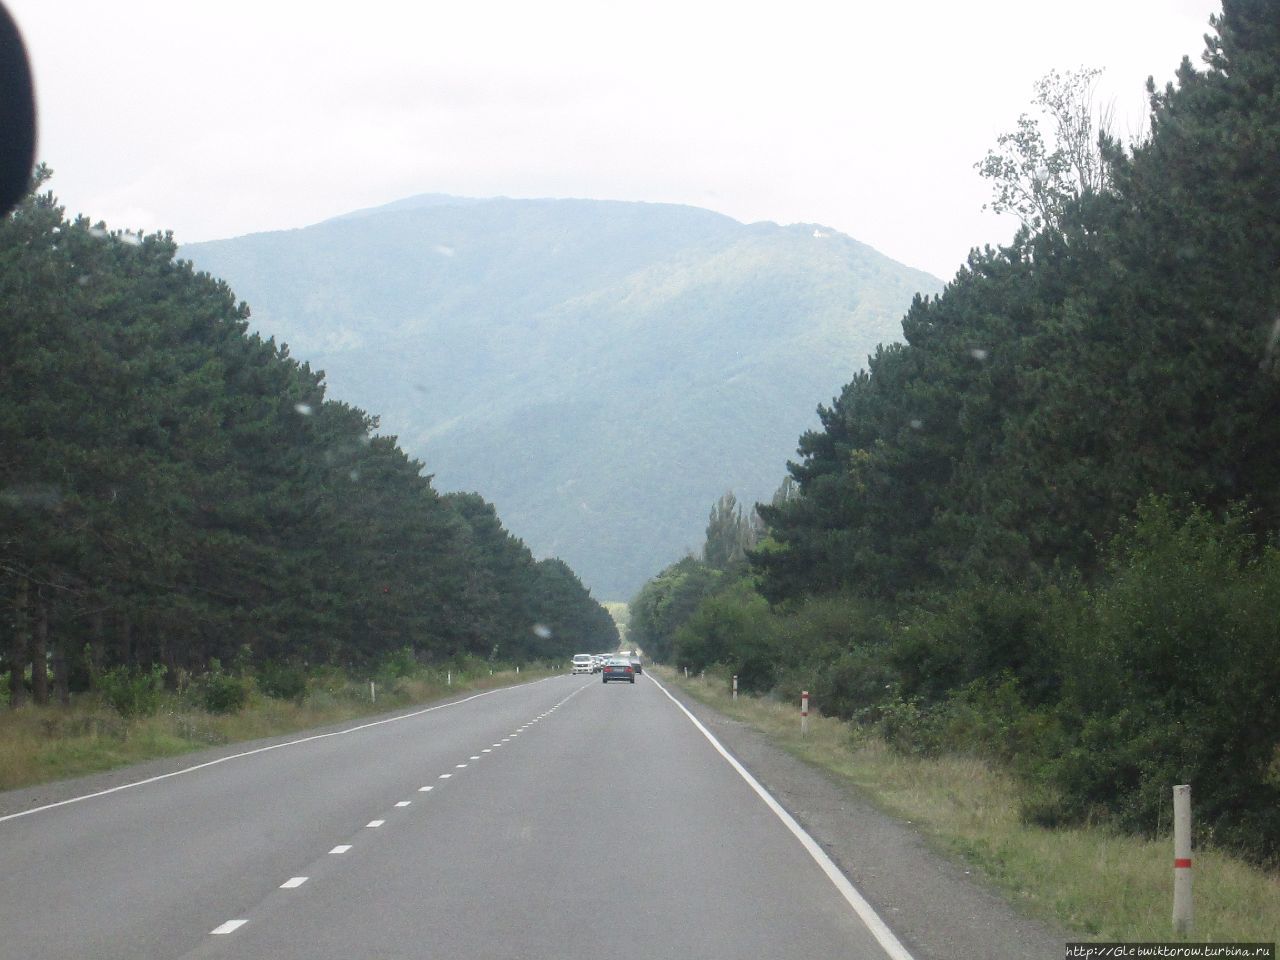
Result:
[600,370]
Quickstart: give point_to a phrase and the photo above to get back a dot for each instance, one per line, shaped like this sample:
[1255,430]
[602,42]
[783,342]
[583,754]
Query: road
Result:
[558,819]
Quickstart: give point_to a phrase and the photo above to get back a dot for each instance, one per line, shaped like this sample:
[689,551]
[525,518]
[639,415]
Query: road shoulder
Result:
[939,909]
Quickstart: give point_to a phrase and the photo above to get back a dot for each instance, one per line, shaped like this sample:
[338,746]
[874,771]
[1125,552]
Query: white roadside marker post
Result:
[804,712]
[373,694]
[448,678]
[735,686]
[1182,912]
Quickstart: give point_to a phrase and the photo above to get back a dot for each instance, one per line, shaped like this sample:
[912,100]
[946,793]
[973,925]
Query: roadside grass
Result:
[41,744]
[1096,883]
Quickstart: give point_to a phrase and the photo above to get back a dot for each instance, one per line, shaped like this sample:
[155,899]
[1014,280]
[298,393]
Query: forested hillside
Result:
[175,491]
[1045,526]
[599,370]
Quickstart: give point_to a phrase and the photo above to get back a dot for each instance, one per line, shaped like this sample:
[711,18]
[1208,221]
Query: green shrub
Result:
[1171,671]
[282,681]
[910,728]
[133,692]
[397,665]
[836,647]
[222,692]
[977,634]
[733,628]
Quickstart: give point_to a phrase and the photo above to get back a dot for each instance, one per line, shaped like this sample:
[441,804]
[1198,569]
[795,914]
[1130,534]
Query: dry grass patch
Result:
[1098,884]
[40,744]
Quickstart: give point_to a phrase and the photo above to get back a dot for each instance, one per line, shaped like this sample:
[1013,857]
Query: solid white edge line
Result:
[228,927]
[274,746]
[879,929]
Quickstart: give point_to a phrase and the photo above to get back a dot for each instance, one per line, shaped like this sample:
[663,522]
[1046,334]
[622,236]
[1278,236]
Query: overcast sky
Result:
[215,119]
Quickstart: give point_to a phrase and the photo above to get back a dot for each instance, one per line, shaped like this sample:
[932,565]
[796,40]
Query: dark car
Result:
[618,669]
[637,666]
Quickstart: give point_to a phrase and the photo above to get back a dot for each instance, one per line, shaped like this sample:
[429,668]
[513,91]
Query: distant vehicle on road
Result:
[583,663]
[635,663]
[618,669]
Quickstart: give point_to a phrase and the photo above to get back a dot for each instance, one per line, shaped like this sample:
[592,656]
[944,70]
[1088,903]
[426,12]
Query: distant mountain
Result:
[602,371]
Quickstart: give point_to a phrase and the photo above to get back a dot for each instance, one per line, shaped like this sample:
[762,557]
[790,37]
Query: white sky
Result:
[215,119]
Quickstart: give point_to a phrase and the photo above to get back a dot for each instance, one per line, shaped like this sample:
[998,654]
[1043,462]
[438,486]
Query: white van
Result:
[583,663]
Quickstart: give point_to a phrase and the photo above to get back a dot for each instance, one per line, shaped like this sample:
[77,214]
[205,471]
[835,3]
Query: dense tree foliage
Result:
[173,489]
[1040,526]
[1126,351]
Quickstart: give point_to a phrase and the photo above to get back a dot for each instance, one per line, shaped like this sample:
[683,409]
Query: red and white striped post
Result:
[804,712]
[1182,913]
[735,686]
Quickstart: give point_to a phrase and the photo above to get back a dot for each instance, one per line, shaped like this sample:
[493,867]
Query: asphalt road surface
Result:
[560,819]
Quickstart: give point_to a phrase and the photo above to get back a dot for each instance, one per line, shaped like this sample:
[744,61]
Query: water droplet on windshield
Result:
[978,353]
[303,408]
[541,630]
[917,424]
[1274,339]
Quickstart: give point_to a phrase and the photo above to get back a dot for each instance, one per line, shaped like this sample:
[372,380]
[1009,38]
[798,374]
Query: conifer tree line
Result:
[175,490]
[1045,526]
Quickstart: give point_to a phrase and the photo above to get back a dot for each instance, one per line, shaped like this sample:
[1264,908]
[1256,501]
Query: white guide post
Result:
[735,686]
[373,694]
[1182,913]
[804,712]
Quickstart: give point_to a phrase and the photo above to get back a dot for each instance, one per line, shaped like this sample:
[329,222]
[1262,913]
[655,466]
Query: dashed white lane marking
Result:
[487,750]
[459,766]
[294,882]
[879,929]
[476,757]
[274,746]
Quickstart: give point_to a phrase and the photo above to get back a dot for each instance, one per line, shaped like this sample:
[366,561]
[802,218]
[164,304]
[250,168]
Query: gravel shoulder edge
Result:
[937,907]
